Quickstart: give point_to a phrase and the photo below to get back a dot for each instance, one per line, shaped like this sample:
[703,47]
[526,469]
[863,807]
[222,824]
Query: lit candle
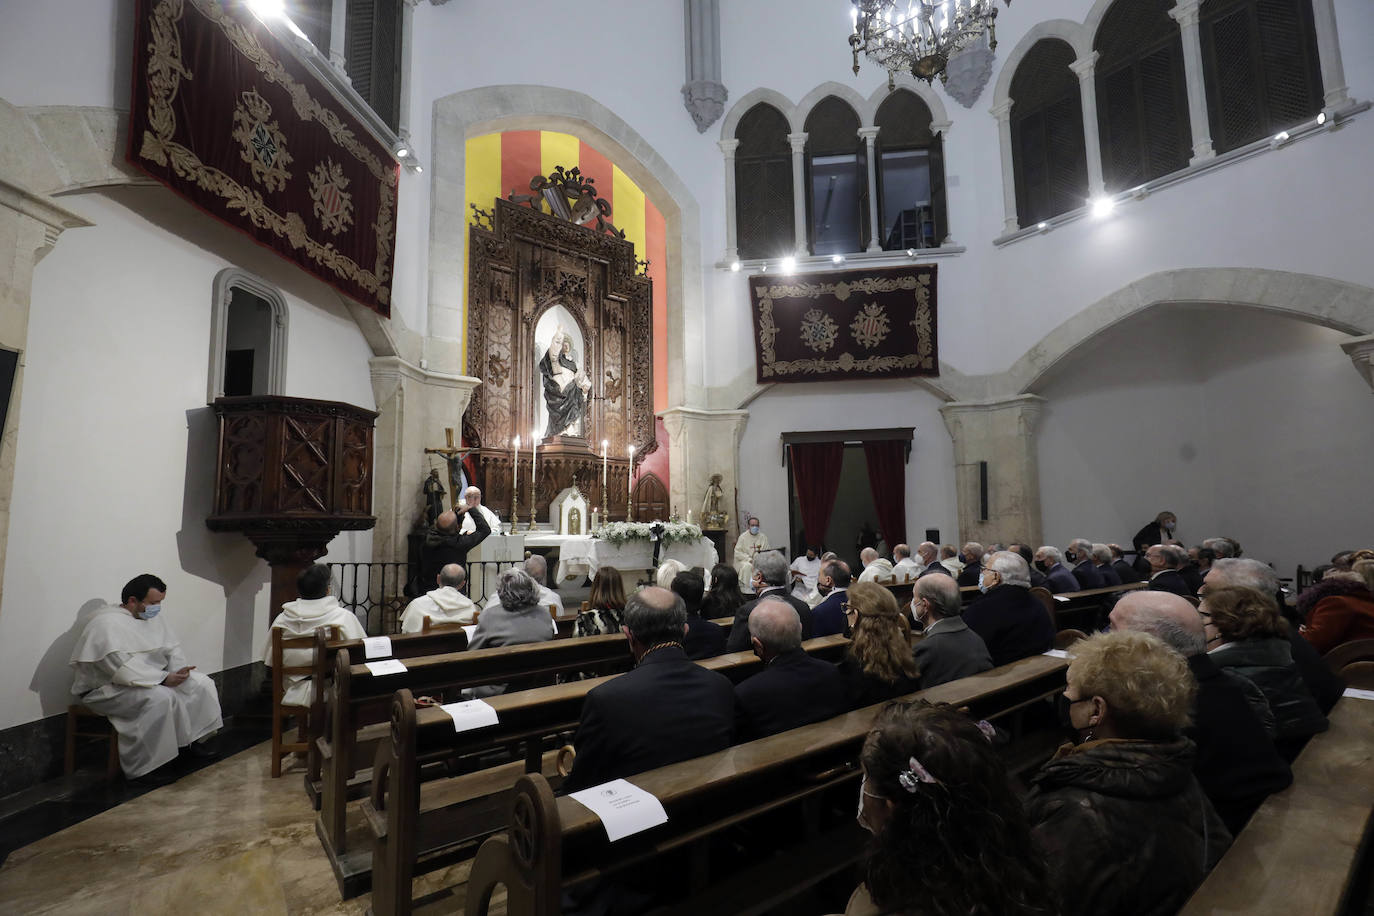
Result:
[605,473]
[630,487]
[514,483]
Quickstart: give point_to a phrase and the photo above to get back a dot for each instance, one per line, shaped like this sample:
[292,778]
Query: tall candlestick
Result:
[630,493]
[605,473]
[534,476]
[514,483]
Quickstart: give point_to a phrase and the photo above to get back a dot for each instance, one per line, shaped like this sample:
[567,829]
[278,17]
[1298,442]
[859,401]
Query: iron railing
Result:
[376,592]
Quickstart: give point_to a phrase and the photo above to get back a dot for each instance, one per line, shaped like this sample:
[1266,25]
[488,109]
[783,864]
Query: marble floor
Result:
[224,839]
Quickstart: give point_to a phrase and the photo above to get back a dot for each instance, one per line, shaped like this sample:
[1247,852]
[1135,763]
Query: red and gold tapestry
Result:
[847,325]
[226,117]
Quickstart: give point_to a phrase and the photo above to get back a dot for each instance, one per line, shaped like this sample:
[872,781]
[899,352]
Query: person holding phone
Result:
[130,669]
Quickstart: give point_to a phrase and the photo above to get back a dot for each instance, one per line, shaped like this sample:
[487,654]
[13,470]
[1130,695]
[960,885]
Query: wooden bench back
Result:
[556,843]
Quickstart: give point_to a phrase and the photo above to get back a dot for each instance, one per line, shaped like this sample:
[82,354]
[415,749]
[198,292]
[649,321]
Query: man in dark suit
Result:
[793,689]
[444,544]
[827,618]
[770,578]
[666,709]
[1012,622]
[1236,764]
[1125,570]
[972,558]
[1057,578]
[705,638]
[1037,578]
[1080,553]
[1164,575]
[1102,560]
[948,650]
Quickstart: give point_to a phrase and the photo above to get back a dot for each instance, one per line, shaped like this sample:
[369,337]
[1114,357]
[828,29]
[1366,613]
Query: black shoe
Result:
[204,749]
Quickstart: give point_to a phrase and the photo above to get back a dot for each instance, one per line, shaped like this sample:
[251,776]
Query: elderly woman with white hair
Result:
[518,618]
[1012,622]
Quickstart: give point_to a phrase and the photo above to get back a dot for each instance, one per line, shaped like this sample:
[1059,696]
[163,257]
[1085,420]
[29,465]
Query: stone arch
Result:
[939,119]
[1346,307]
[1093,21]
[840,91]
[747,101]
[225,282]
[500,108]
[1063,29]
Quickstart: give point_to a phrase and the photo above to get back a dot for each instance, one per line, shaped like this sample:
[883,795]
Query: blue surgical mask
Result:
[753,529]
[150,611]
[982,585]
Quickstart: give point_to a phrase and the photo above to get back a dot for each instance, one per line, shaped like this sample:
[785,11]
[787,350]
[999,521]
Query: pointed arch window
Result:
[911,174]
[1142,94]
[763,184]
[837,179]
[1260,66]
[1049,158]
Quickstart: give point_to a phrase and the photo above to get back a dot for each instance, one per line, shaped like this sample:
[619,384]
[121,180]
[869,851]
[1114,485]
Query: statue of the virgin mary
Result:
[565,387]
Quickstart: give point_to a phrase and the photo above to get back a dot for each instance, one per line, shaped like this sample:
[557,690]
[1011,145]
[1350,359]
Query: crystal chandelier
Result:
[919,36]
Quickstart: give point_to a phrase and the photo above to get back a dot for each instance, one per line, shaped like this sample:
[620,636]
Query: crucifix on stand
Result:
[453,456]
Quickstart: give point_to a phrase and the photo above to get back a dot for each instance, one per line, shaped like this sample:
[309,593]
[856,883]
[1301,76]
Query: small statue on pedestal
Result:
[713,518]
[434,496]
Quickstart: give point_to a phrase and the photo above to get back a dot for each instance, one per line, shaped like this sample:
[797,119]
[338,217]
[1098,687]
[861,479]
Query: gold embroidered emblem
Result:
[264,145]
[817,330]
[870,326]
[333,205]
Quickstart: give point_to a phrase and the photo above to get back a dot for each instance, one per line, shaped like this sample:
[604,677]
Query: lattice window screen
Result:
[763,184]
[372,45]
[1049,156]
[1261,68]
[903,123]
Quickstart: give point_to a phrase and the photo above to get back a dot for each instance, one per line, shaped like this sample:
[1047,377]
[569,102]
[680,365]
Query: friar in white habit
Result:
[444,604]
[129,668]
[316,607]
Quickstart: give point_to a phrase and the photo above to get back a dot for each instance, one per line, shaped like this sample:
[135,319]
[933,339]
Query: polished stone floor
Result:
[226,838]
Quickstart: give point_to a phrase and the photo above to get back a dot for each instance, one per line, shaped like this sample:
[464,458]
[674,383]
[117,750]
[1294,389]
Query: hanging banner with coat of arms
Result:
[853,324]
[226,117]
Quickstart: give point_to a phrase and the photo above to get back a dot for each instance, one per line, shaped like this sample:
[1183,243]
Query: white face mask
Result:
[863,790]
[753,529]
[150,611]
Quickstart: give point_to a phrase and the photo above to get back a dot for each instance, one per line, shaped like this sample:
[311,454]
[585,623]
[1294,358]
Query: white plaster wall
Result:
[1246,424]
[862,405]
[66,52]
[116,450]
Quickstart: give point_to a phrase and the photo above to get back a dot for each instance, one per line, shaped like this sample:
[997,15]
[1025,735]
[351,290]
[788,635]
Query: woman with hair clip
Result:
[605,605]
[949,835]
[878,665]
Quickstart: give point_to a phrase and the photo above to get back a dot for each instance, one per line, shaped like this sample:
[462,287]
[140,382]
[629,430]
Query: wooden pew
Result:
[1301,851]
[555,843]
[422,825]
[410,645]
[357,704]
[1081,609]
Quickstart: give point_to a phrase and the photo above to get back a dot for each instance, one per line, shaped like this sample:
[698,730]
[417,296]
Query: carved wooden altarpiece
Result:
[523,263]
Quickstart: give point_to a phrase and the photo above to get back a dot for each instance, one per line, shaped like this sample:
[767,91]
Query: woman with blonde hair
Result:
[879,664]
[1124,823]
[605,605]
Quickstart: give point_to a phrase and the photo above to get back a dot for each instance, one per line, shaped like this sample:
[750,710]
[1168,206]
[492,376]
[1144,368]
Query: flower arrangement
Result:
[619,533]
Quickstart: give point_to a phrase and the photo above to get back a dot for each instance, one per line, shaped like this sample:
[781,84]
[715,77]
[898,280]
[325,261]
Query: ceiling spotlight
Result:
[267,9]
[1321,118]
[734,266]
[763,268]
[1102,206]
[911,252]
[402,152]
[1043,227]
[1281,136]
[419,168]
[837,259]
[789,264]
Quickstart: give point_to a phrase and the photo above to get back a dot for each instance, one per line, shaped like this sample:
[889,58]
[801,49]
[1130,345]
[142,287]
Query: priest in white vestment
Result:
[315,608]
[129,668]
[750,542]
[444,604]
[804,571]
[472,498]
[875,567]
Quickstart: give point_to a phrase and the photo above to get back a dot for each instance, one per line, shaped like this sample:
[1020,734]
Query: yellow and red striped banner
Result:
[500,163]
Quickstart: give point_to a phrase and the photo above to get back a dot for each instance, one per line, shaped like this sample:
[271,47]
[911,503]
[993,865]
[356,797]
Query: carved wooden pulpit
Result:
[292,473]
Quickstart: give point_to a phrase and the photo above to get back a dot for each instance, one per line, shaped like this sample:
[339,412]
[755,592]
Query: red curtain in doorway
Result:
[816,470]
[887,483]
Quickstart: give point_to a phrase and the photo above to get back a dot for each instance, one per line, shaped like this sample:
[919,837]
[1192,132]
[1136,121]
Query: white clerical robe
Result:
[469,526]
[907,568]
[810,570]
[303,617]
[880,568]
[120,663]
[442,605]
[746,548]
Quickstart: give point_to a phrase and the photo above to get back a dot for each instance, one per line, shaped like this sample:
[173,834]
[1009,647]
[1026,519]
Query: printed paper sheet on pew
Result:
[623,807]
[1056,653]
[377,646]
[1359,694]
[470,714]
[470,629]
[389,666]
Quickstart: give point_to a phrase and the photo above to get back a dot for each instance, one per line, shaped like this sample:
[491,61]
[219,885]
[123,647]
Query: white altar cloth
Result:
[584,556]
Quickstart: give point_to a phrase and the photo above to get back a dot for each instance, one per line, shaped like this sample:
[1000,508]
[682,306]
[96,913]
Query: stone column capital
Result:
[869,134]
[798,142]
[728,147]
[1085,66]
[1361,353]
[941,127]
[1186,13]
[1001,111]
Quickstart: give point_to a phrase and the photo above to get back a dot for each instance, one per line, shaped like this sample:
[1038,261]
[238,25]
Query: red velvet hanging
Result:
[887,482]
[816,470]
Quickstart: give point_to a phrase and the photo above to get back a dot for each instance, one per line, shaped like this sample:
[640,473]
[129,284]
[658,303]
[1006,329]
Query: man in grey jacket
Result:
[949,650]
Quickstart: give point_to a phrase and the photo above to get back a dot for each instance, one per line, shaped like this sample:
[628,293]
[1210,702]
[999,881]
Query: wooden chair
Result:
[77,716]
[280,711]
[429,626]
[1045,597]
[1359,675]
[1357,650]
[1065,638]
